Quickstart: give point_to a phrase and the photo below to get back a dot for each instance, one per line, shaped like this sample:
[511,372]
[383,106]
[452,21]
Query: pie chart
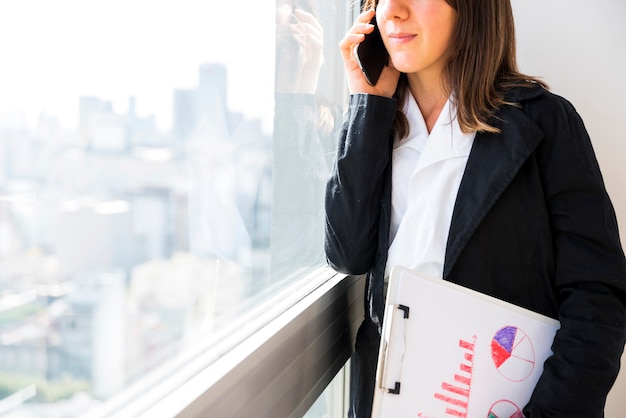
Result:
[513,353]
[505,409]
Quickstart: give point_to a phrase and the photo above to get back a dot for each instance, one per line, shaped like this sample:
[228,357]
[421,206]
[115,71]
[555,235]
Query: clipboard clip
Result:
[392,329]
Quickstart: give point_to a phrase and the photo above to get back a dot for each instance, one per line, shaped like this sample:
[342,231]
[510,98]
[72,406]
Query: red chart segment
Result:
[512,353]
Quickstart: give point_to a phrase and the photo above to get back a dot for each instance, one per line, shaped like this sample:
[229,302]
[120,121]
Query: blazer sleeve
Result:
[590,278]
[354,187]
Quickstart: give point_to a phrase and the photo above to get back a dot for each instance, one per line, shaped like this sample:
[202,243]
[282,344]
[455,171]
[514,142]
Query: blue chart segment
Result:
[513,353]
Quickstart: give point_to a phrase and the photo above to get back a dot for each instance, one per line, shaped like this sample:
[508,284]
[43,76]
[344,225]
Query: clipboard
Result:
[448,351]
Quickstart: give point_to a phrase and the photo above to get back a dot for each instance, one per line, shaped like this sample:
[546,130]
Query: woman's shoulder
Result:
[536,95]
[547,109]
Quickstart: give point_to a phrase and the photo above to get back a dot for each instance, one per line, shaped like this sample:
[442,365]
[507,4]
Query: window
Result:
[162,168]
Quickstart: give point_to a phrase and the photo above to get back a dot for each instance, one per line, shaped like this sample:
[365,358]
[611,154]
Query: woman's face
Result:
[417,33]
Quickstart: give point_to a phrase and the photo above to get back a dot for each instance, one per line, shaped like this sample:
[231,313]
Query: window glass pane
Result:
[334,401]
[162,169]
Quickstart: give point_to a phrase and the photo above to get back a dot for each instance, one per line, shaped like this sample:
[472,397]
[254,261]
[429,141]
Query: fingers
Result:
[307,30]
[305,27]
[357,83]
[366,16]
[307,18]
[354,36]
[357,32]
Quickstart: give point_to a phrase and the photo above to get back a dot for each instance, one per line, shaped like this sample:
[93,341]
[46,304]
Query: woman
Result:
[458,166]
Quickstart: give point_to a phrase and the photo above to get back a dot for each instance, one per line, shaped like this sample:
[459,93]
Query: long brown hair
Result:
[482,65]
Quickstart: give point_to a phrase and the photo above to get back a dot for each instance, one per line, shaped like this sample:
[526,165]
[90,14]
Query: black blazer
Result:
[532,225]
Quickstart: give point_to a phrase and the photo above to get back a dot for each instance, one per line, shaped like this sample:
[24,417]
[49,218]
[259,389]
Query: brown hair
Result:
[482,65]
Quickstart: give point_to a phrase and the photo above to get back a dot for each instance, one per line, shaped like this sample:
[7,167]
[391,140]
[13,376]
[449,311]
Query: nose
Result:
[393,9]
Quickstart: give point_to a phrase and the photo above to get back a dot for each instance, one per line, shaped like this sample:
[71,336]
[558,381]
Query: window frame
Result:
[279,370]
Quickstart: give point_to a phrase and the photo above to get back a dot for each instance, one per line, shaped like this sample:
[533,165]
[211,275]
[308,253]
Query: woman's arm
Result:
[590,279]
[354,187]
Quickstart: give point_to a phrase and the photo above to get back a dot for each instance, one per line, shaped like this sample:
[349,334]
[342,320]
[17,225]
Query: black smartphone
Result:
[372,55]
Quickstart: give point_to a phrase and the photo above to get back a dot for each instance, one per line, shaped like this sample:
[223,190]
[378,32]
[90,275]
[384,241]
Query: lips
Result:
[401,37]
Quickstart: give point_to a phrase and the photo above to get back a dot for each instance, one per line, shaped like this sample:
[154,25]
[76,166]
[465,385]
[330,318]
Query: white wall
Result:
[579,48]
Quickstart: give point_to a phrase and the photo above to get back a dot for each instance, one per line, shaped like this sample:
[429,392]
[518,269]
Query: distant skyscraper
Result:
[90,106]
[185,113]
[100,128]
[212,84]
[203,111]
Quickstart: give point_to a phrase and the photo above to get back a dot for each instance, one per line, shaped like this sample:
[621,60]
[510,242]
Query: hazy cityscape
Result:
[116,238]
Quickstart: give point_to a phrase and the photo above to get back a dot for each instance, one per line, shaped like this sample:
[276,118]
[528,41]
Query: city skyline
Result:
[121,258]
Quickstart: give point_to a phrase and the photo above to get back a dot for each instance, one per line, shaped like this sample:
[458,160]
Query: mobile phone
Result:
[372,55]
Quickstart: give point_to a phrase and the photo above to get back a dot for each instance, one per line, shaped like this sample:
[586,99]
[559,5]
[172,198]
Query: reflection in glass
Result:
[124,242]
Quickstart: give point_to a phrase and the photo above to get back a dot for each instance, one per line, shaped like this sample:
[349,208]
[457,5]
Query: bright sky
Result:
[53,51]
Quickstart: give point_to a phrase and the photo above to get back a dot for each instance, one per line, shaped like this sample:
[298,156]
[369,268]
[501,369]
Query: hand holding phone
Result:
[372,55]
[369,67]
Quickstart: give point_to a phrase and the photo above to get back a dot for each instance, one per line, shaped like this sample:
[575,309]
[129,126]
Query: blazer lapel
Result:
[492,164]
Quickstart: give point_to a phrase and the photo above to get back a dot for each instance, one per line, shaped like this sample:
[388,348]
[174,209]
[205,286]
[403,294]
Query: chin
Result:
[404,65]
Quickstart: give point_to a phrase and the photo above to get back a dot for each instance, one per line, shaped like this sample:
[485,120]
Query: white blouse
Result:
[426,174]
